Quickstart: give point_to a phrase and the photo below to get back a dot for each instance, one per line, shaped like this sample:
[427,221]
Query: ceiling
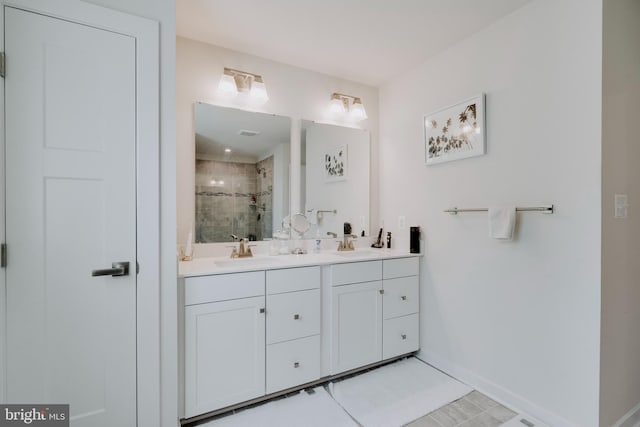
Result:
[367,41]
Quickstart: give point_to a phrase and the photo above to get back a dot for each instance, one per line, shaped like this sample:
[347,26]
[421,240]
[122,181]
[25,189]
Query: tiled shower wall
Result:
[231,199]
[265,198]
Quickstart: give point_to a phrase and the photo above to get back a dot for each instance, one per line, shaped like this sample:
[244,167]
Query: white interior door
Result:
[71,208]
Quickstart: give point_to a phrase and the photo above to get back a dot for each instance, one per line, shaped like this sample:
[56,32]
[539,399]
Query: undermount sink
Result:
[247,262]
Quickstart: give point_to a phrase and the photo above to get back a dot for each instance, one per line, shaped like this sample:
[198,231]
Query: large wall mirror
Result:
[335,178]
[241,173]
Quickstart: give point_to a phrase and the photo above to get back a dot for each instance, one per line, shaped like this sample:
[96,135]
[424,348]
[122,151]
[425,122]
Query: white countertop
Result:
[224,265]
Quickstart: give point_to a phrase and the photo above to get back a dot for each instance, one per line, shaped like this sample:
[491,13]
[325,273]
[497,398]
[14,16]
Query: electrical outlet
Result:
[402,222]
[620,203]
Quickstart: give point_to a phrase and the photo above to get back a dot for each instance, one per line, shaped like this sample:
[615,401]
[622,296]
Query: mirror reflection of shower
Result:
[241,173]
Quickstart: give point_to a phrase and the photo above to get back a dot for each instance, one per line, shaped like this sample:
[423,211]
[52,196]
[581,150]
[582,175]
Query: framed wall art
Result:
[455,132]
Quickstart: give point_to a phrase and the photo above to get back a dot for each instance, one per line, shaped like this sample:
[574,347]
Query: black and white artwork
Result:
[455,132]
[335,163]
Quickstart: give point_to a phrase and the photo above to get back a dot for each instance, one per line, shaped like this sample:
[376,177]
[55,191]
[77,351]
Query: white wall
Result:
[293,92]
[520,319]
[620,350]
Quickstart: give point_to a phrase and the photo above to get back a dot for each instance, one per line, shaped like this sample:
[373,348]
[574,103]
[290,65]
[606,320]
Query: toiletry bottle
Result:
[388,240]
[414,240]
[318,246]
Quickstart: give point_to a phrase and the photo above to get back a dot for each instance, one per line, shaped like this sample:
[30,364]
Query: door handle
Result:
[117,269]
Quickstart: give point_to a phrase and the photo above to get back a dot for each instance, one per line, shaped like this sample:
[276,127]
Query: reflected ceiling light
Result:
[227,150]
[234,82]
[346,104]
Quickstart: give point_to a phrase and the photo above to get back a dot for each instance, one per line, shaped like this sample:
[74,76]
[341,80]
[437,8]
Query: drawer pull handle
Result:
[296,317]
[403,297]
[262,310]
[404,336]
[296,364]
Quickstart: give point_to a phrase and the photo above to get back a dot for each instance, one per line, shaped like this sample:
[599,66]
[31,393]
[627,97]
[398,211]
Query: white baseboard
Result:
[496,392]
[630,419]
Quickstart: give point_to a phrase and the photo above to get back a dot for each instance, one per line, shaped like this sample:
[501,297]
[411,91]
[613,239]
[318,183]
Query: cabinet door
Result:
[356,326]
[224,354]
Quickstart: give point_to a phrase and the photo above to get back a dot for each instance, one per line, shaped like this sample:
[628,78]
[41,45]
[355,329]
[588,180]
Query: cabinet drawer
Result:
[401,267]
[292,363]
[356,272]
[222,287]
[293,315]
[293,279]
[401,297]
[400,336]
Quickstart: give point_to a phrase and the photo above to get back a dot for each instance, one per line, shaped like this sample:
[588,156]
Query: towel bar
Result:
[548,209]
[334,211]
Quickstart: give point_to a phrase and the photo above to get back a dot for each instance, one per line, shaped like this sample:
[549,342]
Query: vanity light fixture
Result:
[347,104]
[234,82]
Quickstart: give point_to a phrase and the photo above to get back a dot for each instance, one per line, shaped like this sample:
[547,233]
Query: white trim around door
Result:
[146,33]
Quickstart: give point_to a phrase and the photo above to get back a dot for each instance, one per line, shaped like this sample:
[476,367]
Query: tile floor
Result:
[473,410]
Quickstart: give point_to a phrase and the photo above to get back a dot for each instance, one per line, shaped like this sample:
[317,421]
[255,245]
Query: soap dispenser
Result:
[388,240]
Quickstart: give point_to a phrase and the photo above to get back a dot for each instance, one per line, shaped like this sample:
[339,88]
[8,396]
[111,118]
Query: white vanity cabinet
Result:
[293,327]
[247,335]
[224,340]
[374,311]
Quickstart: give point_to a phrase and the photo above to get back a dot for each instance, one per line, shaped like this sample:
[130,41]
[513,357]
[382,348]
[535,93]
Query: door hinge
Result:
[2,65]
[3,255]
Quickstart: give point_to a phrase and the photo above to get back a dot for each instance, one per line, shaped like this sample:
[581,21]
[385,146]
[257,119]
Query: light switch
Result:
[620,203]
[402,222]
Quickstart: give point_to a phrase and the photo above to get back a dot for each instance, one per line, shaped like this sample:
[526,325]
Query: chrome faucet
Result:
[332,234]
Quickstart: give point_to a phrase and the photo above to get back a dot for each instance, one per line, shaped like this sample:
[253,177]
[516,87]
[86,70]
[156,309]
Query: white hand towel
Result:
[312,216]
[502,222]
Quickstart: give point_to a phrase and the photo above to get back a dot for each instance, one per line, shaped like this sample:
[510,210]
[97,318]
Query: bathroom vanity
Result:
[253,328]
